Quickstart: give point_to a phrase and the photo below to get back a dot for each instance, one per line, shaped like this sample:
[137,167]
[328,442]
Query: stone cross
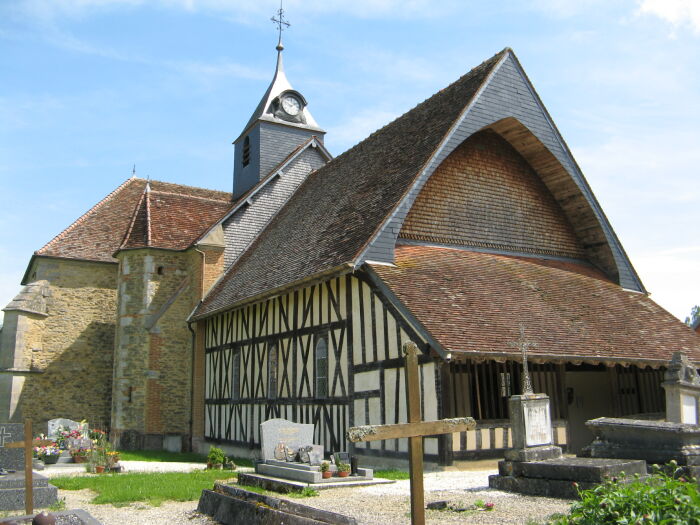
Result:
[415,430]
[3,436]
[523,344]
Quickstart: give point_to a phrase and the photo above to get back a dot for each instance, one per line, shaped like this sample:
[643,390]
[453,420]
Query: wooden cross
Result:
[28,473]
[523,344]
[415,430]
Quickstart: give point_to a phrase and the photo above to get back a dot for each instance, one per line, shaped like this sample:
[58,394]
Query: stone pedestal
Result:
[531,428]
[12,491]
[682,386]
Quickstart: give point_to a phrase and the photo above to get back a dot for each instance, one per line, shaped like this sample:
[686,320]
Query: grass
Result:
[169,457]
[395,474]
[152,488]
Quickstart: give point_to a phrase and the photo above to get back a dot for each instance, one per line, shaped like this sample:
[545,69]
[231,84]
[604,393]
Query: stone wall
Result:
[153,357]
[66,363]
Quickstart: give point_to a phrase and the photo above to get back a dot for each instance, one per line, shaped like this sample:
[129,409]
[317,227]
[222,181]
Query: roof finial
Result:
[281,23]
[133,171]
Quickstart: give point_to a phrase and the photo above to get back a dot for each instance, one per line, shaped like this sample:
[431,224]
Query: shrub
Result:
[661,498]
[216,456]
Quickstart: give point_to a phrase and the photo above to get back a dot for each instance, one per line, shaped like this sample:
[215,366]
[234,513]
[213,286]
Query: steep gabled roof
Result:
[97,234]
[338,208]
[472,304]
[172,221]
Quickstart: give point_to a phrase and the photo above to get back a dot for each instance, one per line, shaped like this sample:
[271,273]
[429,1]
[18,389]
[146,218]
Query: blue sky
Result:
[90,87]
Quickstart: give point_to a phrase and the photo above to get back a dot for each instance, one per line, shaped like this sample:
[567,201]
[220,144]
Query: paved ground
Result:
[381,504]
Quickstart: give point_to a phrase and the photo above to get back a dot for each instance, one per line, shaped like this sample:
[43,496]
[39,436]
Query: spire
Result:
[278,86]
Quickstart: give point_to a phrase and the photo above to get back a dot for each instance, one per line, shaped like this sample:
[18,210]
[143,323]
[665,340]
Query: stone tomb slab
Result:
[231,505]
[64,517]
[275,431]
[12,491]
[555,478]
[11,458]
[594,470]
[285,485]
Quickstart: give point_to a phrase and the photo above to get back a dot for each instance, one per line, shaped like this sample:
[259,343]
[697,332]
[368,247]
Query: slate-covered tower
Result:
[280,124]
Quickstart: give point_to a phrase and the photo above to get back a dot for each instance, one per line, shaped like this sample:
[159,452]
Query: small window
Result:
[160,270]
[236,375]
[321,375]
[272,372]
[246,151]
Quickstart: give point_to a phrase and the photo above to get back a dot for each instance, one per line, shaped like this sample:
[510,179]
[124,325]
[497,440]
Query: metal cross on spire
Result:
[281,24]
[522,344]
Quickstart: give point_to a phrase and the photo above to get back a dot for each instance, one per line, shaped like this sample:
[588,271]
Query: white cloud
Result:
[678,13]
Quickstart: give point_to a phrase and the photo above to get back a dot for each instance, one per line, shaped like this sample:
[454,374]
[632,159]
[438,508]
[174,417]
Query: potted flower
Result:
[80,455]
[326,470]
[215,458]
[343,470]
[48,453]
[112,459]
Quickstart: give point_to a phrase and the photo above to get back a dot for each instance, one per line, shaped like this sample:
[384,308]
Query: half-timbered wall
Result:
[266,360]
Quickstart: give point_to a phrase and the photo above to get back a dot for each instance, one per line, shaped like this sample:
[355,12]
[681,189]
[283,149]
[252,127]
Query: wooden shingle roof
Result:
[336,211]
[472,304]
[97,234]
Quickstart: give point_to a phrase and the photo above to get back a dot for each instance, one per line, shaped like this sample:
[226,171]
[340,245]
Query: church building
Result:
[180,317]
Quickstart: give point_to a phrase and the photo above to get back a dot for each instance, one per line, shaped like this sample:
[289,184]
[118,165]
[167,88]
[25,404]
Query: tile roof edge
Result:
[562,358]
[194,316]
[188,196]
[386,290]
[504,53]
[85,215]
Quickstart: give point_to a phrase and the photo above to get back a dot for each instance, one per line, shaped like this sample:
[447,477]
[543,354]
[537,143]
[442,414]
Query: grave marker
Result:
[415,430]
[276,431]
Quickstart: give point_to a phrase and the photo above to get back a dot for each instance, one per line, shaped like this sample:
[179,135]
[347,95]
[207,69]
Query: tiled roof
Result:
[172,221]
[99,233]
[473,303]
[338,208]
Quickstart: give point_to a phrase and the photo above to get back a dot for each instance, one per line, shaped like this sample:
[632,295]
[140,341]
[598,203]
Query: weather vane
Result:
[281,24]
[523,345]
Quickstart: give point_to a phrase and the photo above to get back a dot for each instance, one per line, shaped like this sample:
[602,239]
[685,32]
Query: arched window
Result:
[321,372]
[272,371]
[246,151]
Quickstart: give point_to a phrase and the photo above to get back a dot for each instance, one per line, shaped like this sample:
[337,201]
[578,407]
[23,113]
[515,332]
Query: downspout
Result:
[194,349]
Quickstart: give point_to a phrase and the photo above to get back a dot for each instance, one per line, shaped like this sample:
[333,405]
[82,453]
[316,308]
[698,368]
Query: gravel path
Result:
[379,504]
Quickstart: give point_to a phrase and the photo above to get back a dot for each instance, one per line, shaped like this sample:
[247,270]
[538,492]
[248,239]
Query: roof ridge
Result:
[223,193]
[147,193]
[85,215]
[130,229]
[189,196]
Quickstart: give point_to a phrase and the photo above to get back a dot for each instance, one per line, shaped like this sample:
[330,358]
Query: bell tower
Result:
[279,125]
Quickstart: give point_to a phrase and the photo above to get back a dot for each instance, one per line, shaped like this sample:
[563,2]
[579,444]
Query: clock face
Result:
[291,105]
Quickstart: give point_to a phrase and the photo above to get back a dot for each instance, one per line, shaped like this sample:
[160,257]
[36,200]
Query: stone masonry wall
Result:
[153,360]
[69,352]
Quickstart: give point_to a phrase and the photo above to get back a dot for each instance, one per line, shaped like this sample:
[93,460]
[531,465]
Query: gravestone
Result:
[531,428]
[11,458]
[12,485]
[316,454]
[682,386]
[54,425]
[276,431]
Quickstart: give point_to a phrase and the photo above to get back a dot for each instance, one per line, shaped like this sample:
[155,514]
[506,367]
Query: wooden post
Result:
[28,472]
[414,430]
[415,443]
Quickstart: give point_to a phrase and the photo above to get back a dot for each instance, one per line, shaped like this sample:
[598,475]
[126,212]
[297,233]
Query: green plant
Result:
[664,497]
[343,467]
[216,456]
[325,465]
[306,492]
[58,505]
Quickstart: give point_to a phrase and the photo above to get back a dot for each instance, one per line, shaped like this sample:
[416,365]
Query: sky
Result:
[90,88]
